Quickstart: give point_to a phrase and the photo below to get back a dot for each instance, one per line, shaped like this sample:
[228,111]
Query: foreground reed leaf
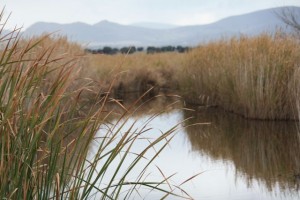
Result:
[50,118]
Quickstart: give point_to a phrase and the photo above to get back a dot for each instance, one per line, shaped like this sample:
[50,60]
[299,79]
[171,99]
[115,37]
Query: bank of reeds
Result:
[136,73]
[254,77]
[45,135]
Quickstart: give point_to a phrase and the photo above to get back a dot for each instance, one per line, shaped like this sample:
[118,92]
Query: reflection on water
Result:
[240,159]
[263,151]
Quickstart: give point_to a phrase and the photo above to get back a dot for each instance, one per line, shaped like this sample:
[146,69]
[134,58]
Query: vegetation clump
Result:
[132,49]
[46,128]
[255,77]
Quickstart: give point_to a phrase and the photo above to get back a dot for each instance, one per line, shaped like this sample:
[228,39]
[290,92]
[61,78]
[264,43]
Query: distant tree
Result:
[172,48]
[157,49]
[291,17]
[182,49]
[115,50]
[107,50]
[128,50]
[124,50]
[168,49]
[132,49]
[151,49]
[140,49]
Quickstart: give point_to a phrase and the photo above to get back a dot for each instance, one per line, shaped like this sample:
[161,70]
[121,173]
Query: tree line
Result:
[132,49]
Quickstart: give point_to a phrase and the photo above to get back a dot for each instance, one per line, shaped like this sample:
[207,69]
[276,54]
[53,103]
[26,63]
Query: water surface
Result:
[237,158]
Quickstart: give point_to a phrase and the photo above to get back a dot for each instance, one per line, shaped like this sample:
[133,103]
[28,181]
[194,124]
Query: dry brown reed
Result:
[255,77]
[136,72]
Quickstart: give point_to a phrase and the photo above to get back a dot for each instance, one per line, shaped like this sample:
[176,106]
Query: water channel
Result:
[236,158]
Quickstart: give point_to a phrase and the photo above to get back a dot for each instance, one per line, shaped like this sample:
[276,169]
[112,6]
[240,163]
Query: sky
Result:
[177,12]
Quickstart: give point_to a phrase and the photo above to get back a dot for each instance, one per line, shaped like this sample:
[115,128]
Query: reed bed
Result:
[254,77]
[135,73]
[46,134]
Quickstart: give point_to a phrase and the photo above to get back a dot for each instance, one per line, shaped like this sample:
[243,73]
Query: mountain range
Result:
[106,33]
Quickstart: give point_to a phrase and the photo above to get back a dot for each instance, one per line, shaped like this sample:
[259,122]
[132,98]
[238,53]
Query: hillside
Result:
[114,34]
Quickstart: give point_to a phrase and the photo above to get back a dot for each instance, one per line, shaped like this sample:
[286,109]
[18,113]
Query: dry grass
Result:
[46,129]
[135,73]
[255,77]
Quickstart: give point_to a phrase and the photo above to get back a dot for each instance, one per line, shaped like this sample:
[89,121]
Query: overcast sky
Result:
[177,12]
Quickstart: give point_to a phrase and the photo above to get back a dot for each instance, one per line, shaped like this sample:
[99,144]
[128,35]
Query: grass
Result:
[254,77]
[48,124]
[135,73]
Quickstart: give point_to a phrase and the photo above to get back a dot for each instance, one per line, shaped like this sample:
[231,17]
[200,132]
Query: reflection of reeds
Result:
[254,77]
[263,150]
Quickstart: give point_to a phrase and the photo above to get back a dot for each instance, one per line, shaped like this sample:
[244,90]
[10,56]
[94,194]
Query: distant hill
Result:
[114,34]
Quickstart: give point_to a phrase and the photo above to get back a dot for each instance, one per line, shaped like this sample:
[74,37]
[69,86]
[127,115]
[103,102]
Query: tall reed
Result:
[46,134]
[254,77]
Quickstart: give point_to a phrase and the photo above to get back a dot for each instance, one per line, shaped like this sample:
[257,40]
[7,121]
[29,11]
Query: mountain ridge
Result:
[114,34]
